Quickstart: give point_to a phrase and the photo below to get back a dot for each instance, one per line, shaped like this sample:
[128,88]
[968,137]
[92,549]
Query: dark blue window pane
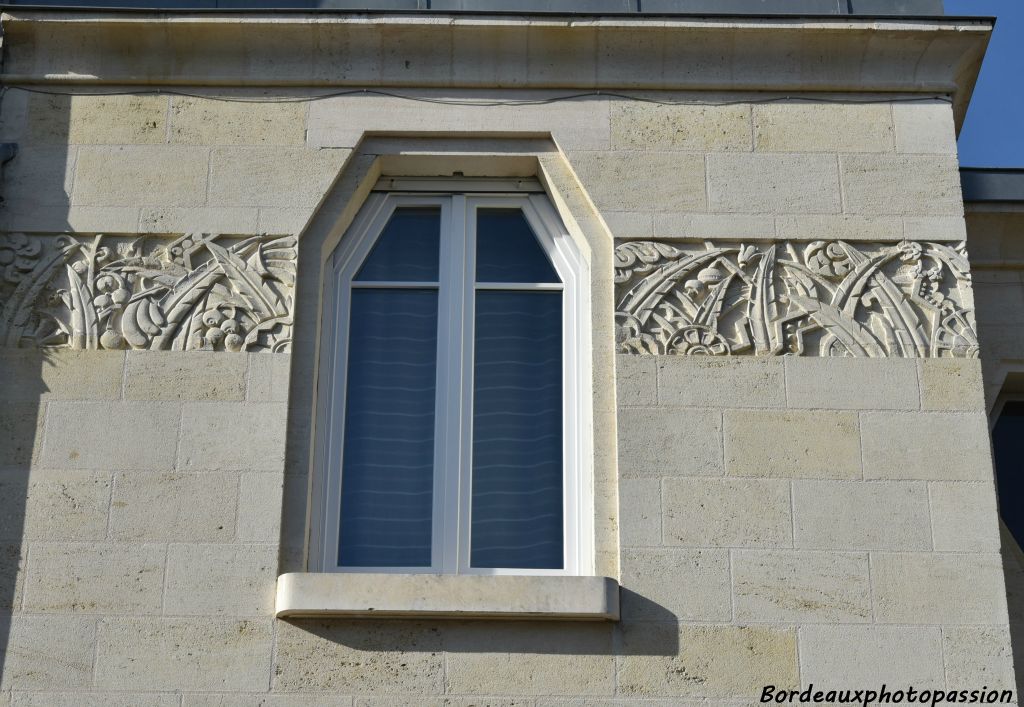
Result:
[507,249]
[1008,450]
[388,457]
[407,249]
[517,431]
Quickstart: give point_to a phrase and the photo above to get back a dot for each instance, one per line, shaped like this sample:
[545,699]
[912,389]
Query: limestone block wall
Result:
[782,520]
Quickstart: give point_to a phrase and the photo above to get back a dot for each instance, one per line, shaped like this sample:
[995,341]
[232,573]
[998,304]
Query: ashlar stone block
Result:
[182,654]
[684,585]
[110,436]
[47,652]
[173,507]
[212,580]
[978,655]
[701,128]
[671,660]
[800,586]
[655,442]
[964,516]
[852,383]
[362,657]
[642,181]
[722,382]
[526,658]
[792,444]
[773,183]
[95,578]
[186,376]
[823,127]
[866,657]
[938,588]
[226,436]
[926,445]
[859,515]
[916,185]
[727,513]
[203,121]
[141,175]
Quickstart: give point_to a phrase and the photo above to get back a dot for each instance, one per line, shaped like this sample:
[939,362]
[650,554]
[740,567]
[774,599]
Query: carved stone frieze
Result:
[193,292]
[824,298]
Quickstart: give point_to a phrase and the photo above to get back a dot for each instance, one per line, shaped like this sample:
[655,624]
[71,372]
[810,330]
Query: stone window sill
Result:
[308,594]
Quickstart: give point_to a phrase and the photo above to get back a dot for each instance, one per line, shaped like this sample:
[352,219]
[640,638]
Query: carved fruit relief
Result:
[824,298]
[194,292]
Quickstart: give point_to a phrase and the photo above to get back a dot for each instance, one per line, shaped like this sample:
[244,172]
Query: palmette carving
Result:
[193,292]
[824,298]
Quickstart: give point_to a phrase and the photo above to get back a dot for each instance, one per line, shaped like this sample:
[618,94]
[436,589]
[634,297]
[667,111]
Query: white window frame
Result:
[452,497]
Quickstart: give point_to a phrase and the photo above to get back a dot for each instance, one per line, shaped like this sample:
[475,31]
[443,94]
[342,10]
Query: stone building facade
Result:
[810,501]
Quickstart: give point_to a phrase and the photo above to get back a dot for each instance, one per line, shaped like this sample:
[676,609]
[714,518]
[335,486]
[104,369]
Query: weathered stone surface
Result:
[927,445]
[378,657]
[212,580]
[640,512]
[841,226]
[702,128]
[727,513]
[96,699]
[200,219]
[924,127]
[656,442]
[67,505]
[144,175]
[852,383]
[938,588]
[683,585]
[636,380]
[12,576]
[31,375]
[529,659]
[773,183]
[667,660]
[856,657]
[201,121]
[823,127]
[906,184]
[732,381]
[174,507]
[268,378]
[259,507]
[116,435]
[223,436]
[182,654]
[792,444]
[21,425]
[978,655]
[673,226]
[800,586]
[185,375]
[951,384]
[642,181]
[857,515]
[266,700]
[964,516]
[47,652]
[95,578]
[97,120]
[272,176]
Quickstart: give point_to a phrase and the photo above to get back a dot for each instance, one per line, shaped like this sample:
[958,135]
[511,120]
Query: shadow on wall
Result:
[35,194]
[1013,569]
[22,393]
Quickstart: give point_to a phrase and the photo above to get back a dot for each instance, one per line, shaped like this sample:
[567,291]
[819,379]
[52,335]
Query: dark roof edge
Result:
[258,9]
[992,184]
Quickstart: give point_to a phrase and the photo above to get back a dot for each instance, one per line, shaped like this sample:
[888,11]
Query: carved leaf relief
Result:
[824,298]
[194,292]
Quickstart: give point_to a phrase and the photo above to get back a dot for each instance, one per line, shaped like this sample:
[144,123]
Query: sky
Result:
[993,134]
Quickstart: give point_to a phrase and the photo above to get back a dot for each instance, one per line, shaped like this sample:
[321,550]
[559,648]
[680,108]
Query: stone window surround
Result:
[314,593]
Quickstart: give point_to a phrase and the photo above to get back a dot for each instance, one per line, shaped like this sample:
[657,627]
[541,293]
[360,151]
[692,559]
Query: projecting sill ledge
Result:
[305,594]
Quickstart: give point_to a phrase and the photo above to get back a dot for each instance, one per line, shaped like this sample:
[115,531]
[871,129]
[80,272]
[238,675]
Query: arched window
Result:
[450,438]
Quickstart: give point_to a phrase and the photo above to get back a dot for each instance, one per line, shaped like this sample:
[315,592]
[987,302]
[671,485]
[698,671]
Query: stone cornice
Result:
[308,50]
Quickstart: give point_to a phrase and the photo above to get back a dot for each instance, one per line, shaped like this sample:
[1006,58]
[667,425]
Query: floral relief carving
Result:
[193,292]
[824,298]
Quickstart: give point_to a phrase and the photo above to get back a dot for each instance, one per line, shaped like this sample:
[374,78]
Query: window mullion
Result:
[467,276]
[450,359]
